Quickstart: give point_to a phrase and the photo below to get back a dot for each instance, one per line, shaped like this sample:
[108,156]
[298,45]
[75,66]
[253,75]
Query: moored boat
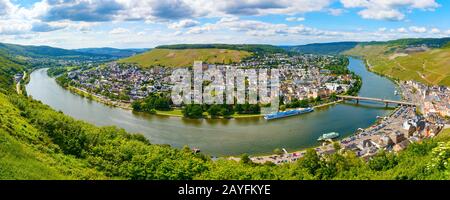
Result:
[288,113]
[328,136]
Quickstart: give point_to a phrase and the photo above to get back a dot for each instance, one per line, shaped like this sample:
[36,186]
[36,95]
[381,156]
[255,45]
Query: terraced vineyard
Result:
[186,57]
[431,66]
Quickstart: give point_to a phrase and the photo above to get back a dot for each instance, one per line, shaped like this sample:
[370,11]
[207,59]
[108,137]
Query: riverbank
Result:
[171,113]
[390,123]
[254,136]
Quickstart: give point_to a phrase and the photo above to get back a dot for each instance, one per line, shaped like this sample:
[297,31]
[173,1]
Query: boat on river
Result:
[328,136]
[288,113]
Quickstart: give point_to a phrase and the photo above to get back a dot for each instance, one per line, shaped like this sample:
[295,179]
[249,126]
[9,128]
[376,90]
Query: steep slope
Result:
[186,57]
[420,63]
[26,153]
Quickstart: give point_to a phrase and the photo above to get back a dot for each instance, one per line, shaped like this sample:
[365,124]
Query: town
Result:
[393,133]
[301,77]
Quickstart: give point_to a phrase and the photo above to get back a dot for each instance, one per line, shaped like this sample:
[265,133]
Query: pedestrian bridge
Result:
[386,101]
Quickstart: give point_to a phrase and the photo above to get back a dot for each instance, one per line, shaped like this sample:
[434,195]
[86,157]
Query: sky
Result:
[148,23]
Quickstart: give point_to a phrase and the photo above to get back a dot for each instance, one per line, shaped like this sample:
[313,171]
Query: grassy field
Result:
[430,67]
[186,57]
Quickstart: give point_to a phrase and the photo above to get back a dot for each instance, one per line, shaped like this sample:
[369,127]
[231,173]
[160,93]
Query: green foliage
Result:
[220,110]
[37,142]
[46,52]
[194,111]
[353,91]
[295,103]
[152,103]
[383,161]
[247,108]
[56,71]
[323,48]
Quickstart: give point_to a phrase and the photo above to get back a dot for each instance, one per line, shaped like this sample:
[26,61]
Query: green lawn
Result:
[174,112]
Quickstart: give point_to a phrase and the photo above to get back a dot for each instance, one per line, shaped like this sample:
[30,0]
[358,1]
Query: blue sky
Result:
[148,23]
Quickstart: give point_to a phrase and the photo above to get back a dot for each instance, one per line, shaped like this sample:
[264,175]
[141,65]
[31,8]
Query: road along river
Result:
[223,137]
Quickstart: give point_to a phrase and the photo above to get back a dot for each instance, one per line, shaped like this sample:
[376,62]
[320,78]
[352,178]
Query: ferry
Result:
[288,113]
[328,136]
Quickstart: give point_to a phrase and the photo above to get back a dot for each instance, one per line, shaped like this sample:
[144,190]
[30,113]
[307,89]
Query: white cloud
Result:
[5,7]
[388,14]
[435,31]
[261,29]
[187,23]
[295,19]
[402,30]
[263,7]
[119,31]
[417,29]
[388,9]
[202,29]
[14,27]
[383,29]
[336,11]
[447,32]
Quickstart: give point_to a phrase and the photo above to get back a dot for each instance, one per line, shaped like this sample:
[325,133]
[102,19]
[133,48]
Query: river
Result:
[222,137]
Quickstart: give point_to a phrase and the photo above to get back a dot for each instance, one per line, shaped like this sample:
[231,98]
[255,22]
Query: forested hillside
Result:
[119,53]
[46,52]
[323,48]
[37,142]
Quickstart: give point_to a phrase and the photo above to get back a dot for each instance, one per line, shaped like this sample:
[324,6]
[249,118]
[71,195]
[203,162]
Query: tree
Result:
[245,158]
[336,146]
[226,110]
[136,105]
[333,97]
[311,161]
[214,110]
[382,161]
[193,111]
[304,103]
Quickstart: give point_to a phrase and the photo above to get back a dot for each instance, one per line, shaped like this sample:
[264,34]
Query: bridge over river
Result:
[386,101]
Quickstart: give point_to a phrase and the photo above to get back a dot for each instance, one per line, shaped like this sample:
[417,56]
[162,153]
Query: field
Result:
[186,57]
[431,67]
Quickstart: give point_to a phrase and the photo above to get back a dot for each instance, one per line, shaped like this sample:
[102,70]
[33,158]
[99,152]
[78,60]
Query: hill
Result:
[119,53]
[37,142]
[322,48]
[424,60]
[47,52]
[254,48]
[340,47]
[186,57]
